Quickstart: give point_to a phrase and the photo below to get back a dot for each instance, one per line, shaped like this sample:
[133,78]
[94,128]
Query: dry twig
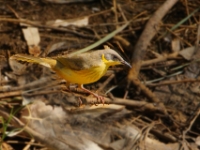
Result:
[141,47]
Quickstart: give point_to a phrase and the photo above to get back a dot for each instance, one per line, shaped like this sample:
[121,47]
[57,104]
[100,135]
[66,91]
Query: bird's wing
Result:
[80,62]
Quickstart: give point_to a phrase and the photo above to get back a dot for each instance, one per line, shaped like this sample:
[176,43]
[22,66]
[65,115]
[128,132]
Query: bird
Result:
[80,69]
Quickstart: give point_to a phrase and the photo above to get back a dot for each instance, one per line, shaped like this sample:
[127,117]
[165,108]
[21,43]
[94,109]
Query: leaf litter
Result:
[156,107]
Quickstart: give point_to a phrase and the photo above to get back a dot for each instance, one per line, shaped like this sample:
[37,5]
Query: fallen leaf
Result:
[197,141]
[187,53]
[64,23]
[176,45]
[32,37]
[18,68]
[54,47]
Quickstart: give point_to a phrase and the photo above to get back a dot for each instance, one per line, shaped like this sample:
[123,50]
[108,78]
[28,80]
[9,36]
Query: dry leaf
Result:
[67,1]
[54,47]
[6,146]
[187,53]
[197,141]
[18,68]
[64,23]
[32,37]
[53,123]
[176,45]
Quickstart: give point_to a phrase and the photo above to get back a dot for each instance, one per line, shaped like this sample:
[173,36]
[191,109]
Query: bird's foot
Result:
[79,101]
[100,99]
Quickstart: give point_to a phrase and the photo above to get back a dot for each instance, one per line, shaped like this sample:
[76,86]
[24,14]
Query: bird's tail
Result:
[47,62]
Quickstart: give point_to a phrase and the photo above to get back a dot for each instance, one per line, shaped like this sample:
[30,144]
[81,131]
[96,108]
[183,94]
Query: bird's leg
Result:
[79,101]
[101,98]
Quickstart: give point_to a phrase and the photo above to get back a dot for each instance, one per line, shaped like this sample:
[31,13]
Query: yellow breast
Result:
[82,76]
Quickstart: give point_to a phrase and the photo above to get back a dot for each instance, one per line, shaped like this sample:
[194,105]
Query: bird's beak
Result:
[126,63]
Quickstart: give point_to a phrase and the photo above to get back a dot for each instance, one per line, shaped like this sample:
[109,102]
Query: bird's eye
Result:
[115,58]
[108,57]
[111,57]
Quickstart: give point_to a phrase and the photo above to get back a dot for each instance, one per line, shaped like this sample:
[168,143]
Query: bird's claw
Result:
[100,99]
[79,102]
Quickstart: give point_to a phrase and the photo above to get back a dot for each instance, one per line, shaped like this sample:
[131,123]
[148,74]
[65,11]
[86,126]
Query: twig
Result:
[187,10]
[141,47]
[106,82]
[134,103]
[41,83]
[160,59]
[46,26]
[10,94]
[188,129]
[185,41]
[146,36]
[173,82]
[115,12]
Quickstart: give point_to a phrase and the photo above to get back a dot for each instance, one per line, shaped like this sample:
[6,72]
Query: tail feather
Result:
[47,62]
